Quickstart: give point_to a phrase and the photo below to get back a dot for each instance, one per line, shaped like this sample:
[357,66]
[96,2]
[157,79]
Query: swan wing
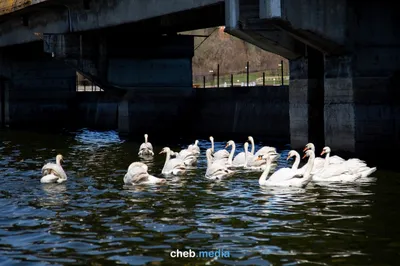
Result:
[52,168]
[239,159]
[265,150]
[221,154]
[140,177]
[49,178]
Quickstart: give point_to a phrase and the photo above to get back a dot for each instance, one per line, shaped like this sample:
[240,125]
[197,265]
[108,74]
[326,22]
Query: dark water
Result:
[93,219]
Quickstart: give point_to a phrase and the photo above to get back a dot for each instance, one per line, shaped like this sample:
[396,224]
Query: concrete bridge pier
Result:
[151,75]
[35,89]
[362,103]
[306,99]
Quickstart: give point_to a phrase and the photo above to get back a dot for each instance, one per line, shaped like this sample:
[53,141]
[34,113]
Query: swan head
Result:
[211,138]
[308,153]
[325,150]
[165,150]
[250,138]
[59,158]
[309,146]
[229,143]
[291,154]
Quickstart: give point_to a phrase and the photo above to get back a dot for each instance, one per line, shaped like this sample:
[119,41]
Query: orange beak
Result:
[322,152]
[287,158]
[258,159]
[161,152]
[226,146]
[305,149]
[305,155]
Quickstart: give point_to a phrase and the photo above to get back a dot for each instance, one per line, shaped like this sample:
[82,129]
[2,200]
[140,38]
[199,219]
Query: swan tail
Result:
[368,172]
[50,178]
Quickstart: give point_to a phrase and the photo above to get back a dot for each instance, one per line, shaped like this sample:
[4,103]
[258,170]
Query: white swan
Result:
[53,172]
[194,148]
[332,160]
[320,163]
[188,157]
[137,174]
[221,154]
[286,177]
[239,160]
[336,173]
[172,166]
[252,162]
[146,149]
[262,151]
[355,165]
[216,170]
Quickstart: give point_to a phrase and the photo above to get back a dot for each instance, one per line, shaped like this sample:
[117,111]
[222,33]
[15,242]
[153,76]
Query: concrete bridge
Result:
[344,60]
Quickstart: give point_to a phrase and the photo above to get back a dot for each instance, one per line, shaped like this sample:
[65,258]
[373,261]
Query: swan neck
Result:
[145,139]
[310,165]
[208,159]
[326,163]
[264,175]
[230,158]
[167,157]
[212,145]
[58,161]
[252,146]
[312,147]
[296,163]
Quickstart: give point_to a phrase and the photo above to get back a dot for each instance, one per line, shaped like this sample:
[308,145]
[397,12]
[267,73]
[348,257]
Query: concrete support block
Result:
[155,111]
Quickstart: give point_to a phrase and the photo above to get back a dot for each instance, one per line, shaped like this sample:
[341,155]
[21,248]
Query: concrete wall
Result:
[262,112]
[38,88]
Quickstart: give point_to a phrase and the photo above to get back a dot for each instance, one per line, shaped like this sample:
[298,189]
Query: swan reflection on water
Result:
[55,195]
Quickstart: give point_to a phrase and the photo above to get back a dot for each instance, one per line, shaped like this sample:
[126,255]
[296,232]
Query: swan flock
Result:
[222,164]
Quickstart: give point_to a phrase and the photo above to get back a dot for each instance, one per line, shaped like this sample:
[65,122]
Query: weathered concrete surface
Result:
[262,112]
[115,62]
[38,88]
[9,6]
[61,18]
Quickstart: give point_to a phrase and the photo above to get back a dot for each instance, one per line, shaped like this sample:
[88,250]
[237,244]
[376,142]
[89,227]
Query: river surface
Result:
[93,219]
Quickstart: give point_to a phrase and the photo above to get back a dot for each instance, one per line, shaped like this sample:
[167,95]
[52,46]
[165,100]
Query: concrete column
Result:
[306,92]
[339,111]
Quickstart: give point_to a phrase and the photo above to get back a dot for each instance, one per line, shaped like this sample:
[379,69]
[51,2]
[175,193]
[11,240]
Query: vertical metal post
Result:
[263,78]
[231,80]
[218,76]
[282,71]
[248,76]
[204,81]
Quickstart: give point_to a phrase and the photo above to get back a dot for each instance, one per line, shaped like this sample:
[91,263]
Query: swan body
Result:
[194,148]
[286,177]
[266,150]
[53,172]
[146,149]
[339,172]
[216,170]
[252,162]
[221,154]
[354,165]
[137,174]
[174,166]
[189,158]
